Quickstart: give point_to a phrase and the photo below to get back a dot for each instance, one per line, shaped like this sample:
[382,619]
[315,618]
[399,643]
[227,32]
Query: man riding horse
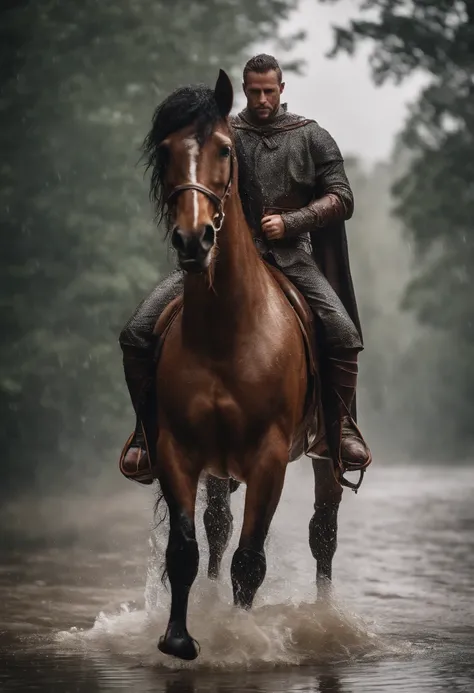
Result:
[299,171]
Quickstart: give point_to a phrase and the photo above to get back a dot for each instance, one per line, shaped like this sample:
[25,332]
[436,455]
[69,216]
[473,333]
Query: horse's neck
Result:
[216,306]
[238,267]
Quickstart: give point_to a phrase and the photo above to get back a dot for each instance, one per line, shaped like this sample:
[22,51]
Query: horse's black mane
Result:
[186,105]
[193,104]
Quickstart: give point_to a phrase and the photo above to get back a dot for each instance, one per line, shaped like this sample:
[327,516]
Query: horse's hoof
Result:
[182,646]
[213,571]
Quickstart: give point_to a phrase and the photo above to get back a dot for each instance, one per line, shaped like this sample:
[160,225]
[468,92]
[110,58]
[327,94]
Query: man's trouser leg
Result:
[138,347]
[341,344]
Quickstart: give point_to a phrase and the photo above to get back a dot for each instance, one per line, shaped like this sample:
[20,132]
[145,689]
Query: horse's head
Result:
[190,150]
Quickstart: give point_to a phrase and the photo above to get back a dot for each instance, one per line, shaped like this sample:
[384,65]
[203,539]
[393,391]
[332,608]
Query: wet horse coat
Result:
[232,373]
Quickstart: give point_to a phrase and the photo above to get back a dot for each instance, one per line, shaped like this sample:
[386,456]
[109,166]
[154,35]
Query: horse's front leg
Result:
[264,485]
[323,524]
[178,480]
[218,522]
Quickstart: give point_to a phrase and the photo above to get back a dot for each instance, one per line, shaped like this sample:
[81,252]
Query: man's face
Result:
[263,94]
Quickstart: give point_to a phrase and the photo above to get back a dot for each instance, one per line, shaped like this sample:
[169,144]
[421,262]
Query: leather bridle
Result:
[219,217]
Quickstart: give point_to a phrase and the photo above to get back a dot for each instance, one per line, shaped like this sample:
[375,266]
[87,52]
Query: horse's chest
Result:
[227,401]
[244,384]
[222,404]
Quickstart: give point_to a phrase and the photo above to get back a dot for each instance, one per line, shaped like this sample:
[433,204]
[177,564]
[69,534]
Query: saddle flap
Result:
[312,434]
[164,322]
[303,313]
[168,316]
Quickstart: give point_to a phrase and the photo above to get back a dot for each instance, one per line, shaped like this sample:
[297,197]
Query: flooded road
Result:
[83,604]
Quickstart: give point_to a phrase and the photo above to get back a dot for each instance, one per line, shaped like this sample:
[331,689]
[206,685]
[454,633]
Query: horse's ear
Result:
[224,94]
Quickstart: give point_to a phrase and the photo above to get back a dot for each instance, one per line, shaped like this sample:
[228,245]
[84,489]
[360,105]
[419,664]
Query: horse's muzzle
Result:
[194,247]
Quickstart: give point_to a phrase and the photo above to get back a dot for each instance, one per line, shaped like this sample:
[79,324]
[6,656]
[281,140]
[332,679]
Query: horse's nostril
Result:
[177,239]
[208,237]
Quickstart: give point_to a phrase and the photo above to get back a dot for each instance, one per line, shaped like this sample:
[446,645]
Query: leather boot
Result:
[135,461]
[346,444]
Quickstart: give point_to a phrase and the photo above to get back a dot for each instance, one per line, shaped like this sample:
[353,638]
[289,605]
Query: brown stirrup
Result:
[344,466]
[141,476]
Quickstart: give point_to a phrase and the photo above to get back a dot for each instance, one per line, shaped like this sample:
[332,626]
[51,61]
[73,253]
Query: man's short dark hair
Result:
[262,63]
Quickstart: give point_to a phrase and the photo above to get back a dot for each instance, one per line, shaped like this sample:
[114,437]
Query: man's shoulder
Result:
[291,117]
[310,124]
[311,133]
[314,136]
[321,140]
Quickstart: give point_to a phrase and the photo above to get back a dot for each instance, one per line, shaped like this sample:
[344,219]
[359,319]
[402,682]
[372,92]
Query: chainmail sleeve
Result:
[334,200]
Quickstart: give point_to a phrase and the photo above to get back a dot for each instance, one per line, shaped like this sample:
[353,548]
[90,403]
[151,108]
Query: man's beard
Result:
[270,115]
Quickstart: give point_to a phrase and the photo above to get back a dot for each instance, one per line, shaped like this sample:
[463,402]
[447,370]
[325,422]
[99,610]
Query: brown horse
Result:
[232,376]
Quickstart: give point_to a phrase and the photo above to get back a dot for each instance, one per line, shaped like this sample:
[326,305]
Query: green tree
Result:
[435,196]
[79,83]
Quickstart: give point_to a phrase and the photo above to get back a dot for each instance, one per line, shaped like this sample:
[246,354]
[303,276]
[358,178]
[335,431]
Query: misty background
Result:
[79,249]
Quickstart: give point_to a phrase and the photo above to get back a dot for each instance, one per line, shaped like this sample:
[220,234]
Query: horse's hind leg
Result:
[264,487]
[179,485]
[218,522]
[323,524]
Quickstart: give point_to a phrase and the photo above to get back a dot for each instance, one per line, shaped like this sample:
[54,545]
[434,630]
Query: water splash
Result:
[271,635]
[287,626]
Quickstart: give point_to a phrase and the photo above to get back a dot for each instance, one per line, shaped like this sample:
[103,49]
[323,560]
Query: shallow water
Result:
[83,604]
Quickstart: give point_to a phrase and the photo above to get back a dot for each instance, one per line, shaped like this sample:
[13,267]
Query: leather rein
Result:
[219,217]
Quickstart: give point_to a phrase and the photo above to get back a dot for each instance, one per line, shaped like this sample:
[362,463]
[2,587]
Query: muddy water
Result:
[83,605]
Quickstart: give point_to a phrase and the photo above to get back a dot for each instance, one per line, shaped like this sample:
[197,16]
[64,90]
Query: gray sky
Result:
[339,93]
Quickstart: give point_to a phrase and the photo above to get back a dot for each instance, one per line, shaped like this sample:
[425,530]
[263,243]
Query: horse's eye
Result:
[225,152]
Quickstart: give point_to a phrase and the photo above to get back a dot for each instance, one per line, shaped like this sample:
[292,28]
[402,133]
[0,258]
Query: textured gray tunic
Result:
[296,162]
